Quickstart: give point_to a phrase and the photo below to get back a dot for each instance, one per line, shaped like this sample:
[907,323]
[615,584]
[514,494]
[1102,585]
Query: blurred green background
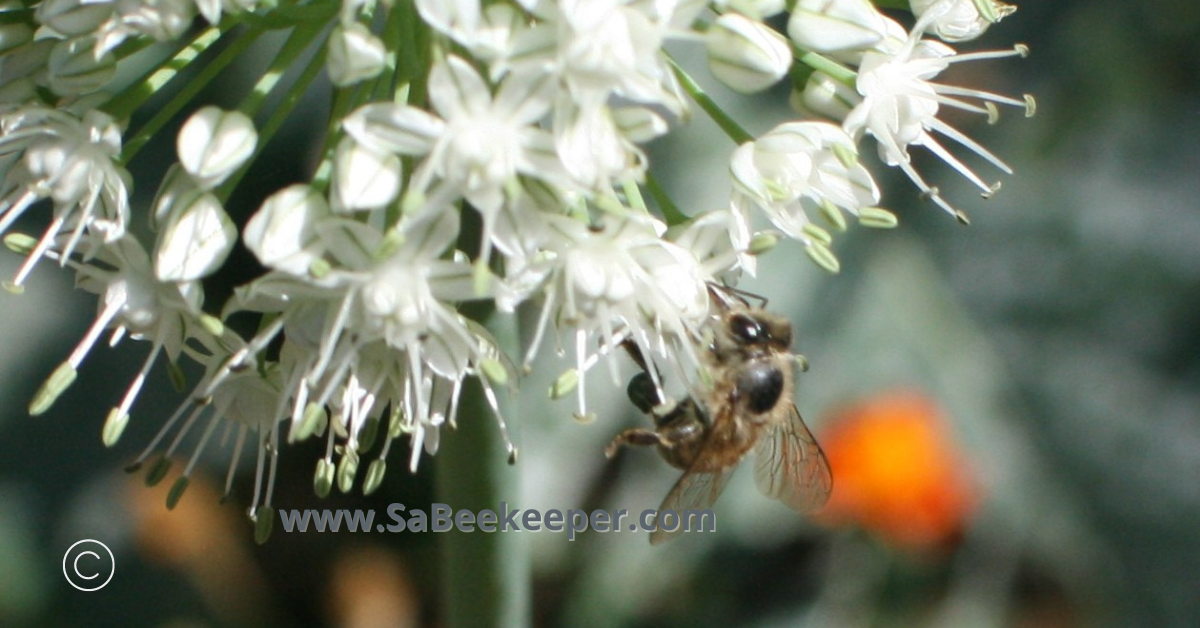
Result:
[1054,342]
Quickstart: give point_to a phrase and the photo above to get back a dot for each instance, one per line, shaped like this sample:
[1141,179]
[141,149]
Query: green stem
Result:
[282,110]
[124,104]
[485,575]
[821,63]
[188,92]
[710,106]
[670,211]
[343,99]
[299,41]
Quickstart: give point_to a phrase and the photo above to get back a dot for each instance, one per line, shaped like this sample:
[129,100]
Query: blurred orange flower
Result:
[898,471]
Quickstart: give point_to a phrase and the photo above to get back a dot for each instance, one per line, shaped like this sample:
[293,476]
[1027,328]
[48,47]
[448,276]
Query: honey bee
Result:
[748,406]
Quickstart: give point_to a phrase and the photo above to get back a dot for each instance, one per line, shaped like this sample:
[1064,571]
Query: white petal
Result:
[525,97]
[456,89]
[350,242]
[389,127]
[457,18]
[427,236]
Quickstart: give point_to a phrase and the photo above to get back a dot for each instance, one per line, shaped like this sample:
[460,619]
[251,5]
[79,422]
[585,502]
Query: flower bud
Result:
[14,35]
[746,55]
[74,69]
[960,20]
[757,9]
[364,178]
[826,96]
[18,91]
[214,143]
[196,241]
[73,17]
[836,25]
[355,54]
[282,234]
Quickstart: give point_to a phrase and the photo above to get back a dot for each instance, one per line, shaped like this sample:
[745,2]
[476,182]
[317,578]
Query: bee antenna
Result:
[727,294]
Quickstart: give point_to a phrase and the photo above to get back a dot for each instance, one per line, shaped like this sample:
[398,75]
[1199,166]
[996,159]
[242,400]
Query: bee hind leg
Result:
[635,437]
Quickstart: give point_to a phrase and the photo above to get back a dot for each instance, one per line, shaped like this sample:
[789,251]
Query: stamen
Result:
[187,426]
[418,443]
[333,333]
[580,358]
[16,210]
[136,386]
[110,310]
[274,451]
[258,473]
[975,147]
[238,447]
[455,395]
[208,431]
[38,251]
[490,394]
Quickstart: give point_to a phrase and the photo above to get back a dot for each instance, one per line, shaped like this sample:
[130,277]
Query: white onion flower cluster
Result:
[525,117]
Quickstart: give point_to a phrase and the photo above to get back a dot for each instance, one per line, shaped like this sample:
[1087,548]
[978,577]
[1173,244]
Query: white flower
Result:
[720,240]
[901,102]
[248,401]
[378,324]
[798,167]
[622,282]
[133,301]
[608,47]
[598,145]
[477,146]
[71,161]
[745,54]
[487,35]
[213,144]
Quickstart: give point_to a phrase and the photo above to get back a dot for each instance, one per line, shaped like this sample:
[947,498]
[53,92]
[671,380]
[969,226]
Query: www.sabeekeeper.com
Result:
[443,518]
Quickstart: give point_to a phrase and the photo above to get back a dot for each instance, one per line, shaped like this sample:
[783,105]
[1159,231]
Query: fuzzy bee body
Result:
[749,406]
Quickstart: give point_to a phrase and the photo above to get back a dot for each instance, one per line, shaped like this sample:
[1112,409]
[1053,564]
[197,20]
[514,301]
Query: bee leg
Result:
[635,437]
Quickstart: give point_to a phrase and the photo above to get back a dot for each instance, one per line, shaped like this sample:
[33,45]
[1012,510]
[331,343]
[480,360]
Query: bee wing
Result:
[696,490]
[790,466]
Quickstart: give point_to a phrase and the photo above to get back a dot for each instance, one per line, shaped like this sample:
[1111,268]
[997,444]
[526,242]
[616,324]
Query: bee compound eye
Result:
[760,385]
[746,329]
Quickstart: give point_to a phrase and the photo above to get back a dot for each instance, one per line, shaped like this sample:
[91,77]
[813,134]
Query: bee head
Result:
[759,330]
